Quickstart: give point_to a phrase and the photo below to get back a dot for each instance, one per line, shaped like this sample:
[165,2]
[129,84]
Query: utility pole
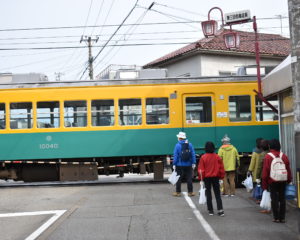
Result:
[294,16]
[58,75]
[91,59]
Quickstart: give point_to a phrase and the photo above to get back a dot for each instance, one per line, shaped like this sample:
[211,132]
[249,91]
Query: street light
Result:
[232,39]
[210,27]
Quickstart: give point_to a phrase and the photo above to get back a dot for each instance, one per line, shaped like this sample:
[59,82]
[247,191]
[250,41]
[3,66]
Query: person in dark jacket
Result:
[184,168]
[211,171]
[277,188]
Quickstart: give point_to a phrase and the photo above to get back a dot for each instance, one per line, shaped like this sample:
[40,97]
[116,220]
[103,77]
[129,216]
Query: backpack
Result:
[185,152]
[278,170]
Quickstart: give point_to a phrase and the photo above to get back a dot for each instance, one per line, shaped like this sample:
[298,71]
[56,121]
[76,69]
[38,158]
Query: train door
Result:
[198,118]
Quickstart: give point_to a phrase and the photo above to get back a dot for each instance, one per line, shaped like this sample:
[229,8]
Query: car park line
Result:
[56,214]
[200,218]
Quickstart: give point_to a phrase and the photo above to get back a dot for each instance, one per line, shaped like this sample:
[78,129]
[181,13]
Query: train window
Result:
[157,111]
[103,112]
[198,110]
[21,115]
[47,114]
[75,113]
[130,112]
[239,108]
[2,116]
[265,113]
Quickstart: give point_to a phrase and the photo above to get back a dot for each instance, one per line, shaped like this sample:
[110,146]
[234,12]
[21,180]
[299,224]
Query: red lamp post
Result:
[210,27]
[232,40]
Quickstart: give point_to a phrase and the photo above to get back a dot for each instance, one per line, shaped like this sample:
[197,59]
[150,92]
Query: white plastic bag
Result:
[248,183]
[265,202]
[173,177]
[202,197]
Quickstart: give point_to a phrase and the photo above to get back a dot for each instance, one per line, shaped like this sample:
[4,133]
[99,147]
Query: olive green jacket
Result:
[255,166]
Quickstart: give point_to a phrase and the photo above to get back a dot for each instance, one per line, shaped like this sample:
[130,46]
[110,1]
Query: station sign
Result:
[239,16]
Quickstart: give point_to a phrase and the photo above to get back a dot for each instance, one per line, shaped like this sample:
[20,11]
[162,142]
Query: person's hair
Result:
[275,144]
[258,142]
[209,147]
[265,145]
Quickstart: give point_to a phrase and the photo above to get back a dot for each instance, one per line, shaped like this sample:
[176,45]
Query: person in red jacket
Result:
[211,170]
[276,188]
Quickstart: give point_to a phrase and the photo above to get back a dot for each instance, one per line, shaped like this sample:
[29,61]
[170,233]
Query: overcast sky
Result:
[43,36]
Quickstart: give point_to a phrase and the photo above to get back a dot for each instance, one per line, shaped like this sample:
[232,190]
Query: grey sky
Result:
[27,14]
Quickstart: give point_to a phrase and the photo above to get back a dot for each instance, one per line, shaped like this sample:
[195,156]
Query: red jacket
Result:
[266,180]
[211,165]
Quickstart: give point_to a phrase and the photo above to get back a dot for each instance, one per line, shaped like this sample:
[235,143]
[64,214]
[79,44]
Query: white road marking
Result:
[36,233]
[201,219]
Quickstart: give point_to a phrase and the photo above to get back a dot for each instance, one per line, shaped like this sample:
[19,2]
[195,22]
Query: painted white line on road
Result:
[201,219]
[36,233]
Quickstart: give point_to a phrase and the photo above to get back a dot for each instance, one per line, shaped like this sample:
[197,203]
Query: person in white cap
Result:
[231,160]
[184,162]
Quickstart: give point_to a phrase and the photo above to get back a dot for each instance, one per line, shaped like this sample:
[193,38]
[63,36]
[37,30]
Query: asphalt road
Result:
[131,211]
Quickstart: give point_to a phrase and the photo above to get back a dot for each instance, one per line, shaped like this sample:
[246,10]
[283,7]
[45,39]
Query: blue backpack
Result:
[185,152]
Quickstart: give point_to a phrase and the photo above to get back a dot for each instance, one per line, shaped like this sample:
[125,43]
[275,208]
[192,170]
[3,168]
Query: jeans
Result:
[214,183]
[277,192]
[187,173]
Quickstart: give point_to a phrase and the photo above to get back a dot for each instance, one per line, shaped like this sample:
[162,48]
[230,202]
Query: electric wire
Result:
[112,35]
[128,33]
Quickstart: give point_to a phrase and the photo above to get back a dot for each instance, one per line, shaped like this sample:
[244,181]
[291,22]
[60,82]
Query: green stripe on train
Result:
[123,142]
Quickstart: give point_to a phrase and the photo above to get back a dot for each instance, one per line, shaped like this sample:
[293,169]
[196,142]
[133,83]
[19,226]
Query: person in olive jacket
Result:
[211,170]
[256,163]
[231,161]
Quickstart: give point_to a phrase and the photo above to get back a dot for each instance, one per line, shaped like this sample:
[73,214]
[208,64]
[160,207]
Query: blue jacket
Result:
[177,155]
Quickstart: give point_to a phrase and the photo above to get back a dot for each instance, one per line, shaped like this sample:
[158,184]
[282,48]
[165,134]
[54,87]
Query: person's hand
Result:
[174,167]
[193,166]
[201,183]
[221,181]
[249,173]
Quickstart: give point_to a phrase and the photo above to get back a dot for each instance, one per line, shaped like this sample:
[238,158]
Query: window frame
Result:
[240,118]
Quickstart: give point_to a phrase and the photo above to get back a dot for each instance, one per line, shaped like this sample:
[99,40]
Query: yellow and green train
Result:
[79,129]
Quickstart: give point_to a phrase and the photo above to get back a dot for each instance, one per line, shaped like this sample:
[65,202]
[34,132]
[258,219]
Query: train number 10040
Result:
[49,146]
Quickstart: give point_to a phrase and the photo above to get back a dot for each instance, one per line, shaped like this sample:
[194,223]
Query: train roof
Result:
[127,82]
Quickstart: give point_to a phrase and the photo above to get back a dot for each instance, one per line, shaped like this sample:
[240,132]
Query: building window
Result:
[239,108]
[21,115]
[157,111]
[48,114]
[130,112]
[265,113]
[103,113]
[75,113]
[198,110]
[2,116]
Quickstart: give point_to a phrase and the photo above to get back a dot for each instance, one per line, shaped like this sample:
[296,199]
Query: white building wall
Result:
[212,65]
[187,67]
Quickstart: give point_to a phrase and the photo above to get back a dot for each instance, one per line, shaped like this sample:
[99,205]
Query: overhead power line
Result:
[113,34]
[130,45]
[111,25]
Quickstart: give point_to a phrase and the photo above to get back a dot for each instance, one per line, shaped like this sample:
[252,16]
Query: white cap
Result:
[181,135]
[226,139]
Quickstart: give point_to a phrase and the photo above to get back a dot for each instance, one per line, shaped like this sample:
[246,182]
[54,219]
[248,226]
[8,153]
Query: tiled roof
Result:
[269,44]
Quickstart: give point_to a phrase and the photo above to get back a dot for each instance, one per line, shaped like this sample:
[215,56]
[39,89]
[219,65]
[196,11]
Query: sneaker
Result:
[221,213]
[226,195]
[176,194]
[191,194]
[232,195]
[210,213]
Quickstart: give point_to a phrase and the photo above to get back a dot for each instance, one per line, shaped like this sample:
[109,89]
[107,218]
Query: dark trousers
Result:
[277,191]
[214,183]
[184,172]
